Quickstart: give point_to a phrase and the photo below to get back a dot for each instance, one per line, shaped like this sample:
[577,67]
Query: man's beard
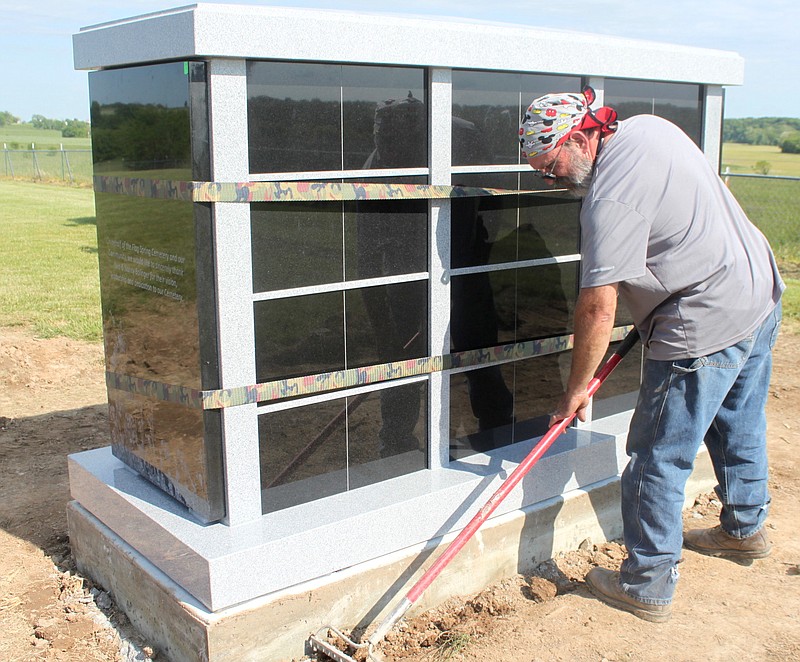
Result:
[579,179]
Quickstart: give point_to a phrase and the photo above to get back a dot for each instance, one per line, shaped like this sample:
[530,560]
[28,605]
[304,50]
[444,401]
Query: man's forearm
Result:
[594,321]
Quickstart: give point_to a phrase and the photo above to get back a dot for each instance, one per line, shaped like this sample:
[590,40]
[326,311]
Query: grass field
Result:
[742,159]
[48,260]
[24,135]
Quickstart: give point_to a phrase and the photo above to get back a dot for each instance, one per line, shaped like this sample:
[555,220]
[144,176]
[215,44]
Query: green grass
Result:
[24,134]
[791,302]
[774,206]
[451,643]
[742,159]
[48,260]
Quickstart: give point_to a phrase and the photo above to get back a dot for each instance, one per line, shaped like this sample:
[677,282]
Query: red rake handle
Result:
[502,492]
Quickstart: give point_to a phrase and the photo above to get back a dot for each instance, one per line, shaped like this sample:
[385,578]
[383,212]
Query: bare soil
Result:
[52,403]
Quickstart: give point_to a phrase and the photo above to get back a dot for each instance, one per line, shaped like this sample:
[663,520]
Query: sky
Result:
[37,75]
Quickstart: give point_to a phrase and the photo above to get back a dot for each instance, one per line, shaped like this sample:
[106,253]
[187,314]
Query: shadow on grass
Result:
[78,222]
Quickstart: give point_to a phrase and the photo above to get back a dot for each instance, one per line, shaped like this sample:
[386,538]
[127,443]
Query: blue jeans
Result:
[720,398]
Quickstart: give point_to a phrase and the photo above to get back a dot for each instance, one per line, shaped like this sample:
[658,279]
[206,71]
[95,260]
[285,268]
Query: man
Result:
[661,230]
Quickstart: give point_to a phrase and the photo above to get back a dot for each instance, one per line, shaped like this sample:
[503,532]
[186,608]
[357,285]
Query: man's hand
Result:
[571,403]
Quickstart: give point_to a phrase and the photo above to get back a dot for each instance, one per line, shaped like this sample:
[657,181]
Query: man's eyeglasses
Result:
[548,173]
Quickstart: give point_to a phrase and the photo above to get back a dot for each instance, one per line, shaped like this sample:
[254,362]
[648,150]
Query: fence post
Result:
[69,168]
[37,173]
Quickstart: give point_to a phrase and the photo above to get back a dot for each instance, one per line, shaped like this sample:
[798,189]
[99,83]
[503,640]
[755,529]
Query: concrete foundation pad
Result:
[276,626]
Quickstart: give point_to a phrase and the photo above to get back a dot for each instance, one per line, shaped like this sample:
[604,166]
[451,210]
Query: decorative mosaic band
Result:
[338,379]
[289,191]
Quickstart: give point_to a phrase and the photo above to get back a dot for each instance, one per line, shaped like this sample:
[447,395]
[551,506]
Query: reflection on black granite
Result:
[548,223]
[484,229]
[305,335]
[299,336]
[384,108]
[401,413]
[385,238]
[307,117]
[141,119]
[294,116]
[536,383]
[545,300]
[146,122]
[680,103]
[481,410]
[302,445]
[328,448]
[487,107]
[387,323]
[538,386]
[164,442]
[508,305]
[295,245]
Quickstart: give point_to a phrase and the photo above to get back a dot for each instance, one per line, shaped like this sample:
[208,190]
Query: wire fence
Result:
[773,204]
[68,165]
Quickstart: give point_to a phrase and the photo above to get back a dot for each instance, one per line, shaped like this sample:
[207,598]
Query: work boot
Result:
[716,542]
[605,585]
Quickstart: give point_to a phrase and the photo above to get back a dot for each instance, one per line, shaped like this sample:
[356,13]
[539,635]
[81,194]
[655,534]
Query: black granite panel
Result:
[295,245]
[299,336]
[481,410]
[386,323]
[387,433]
[680,103]
[141,121]
[328,448]
[483,229]
[385,119]
[385,238]
[306,117]
[303,454]
[294,112]
[156,276]
[487,106]
[545,300]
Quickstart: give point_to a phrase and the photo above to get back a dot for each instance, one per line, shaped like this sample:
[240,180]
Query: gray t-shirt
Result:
[696,275]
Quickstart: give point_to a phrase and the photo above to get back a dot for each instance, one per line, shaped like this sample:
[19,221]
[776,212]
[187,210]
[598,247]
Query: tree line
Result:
[781,131]
[73,128]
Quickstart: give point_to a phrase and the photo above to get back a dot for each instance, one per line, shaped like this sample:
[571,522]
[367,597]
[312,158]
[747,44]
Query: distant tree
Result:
[7,118]
[68,128]
[42,122]
[762,167]
[75,129]
[758,130]
[790,144]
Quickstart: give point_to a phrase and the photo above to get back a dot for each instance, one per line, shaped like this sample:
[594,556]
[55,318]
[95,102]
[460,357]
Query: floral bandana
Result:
[550,120]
